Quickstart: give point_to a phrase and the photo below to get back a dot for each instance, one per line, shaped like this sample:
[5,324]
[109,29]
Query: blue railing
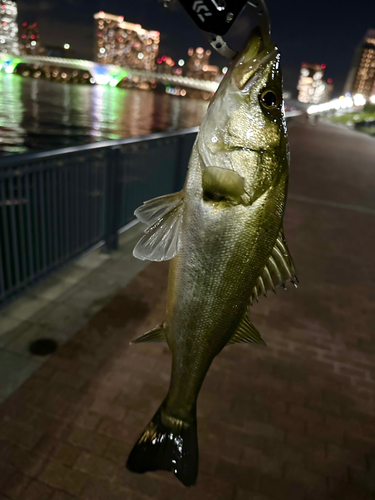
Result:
[54,206]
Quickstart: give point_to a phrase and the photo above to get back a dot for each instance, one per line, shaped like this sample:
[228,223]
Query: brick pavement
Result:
[293,421]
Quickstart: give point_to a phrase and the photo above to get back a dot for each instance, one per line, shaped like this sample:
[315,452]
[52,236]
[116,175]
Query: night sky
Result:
[324,31]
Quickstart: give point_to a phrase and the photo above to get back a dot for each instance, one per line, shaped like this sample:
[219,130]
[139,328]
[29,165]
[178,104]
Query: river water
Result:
[42,115]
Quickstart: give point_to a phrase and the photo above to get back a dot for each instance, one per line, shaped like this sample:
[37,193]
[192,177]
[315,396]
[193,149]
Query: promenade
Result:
[293,421]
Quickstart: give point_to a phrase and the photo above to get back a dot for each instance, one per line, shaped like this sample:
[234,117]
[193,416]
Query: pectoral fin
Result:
[164,217]
[156,335]
[246,333]
[221,183]
[278,270]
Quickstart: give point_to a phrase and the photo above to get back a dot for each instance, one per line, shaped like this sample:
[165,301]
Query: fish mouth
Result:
[252,62]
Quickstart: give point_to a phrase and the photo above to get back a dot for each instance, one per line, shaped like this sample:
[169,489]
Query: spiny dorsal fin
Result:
[164,217]
[156,335]
[278,270]
[246,333]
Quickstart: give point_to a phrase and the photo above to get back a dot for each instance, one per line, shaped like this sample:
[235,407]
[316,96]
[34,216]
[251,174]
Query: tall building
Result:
[8,27]
[312,88]
[198,65]
[361,78]
[30,40]
[165,65]
[125,44]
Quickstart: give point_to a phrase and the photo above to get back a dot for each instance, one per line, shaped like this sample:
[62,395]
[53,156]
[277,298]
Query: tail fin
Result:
[168,444]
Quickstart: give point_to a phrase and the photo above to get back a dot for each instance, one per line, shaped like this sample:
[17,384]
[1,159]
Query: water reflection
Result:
[42,115]
[12,134]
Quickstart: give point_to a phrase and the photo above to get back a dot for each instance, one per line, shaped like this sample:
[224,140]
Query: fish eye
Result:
[269,100]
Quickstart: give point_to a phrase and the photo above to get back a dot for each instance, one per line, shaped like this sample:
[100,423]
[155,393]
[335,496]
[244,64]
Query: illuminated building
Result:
[198,65]
[30,40]
[165,65]
[8,27]
[328,89]
[361,78]
[125,44]
[312,88]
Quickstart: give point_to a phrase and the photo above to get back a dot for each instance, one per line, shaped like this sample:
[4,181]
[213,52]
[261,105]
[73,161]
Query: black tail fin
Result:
[167,444]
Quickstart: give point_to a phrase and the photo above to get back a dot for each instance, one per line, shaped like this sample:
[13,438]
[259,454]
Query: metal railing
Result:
[55,206]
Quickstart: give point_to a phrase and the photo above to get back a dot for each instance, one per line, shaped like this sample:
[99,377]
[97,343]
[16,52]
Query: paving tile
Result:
[73,274]
[294,421]
[15,485]
[52,289]
[57,315]
[36,491]
[6,471]
[58,476]
[90,298]
[19,434]
[249,495]
[92,260]
[103,490]
[87,419]
[7,324]
[25,307]
[117,451]
[66,453]
[87,439]
[95,465]
[61,495]
[14,370]
[27,333]
[19,459]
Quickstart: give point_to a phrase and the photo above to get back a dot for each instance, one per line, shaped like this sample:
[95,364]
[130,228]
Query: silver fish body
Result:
[224,234]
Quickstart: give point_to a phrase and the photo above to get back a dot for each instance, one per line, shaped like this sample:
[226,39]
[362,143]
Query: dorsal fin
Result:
[278,270]
[164,217]
[246,333]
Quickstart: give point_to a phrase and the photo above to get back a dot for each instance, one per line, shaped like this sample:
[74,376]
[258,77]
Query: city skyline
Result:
[120,42]
[302,34]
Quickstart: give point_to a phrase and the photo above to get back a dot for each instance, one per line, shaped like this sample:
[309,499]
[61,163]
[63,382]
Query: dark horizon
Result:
[302,33]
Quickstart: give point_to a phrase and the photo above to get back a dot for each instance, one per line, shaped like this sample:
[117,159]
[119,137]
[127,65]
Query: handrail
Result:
[18,159]
[57,205]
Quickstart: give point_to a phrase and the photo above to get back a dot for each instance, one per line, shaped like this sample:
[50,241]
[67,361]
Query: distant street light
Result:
[181,62]
[359,100]
[66,46]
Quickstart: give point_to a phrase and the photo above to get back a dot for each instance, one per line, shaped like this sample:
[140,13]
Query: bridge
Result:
[104,74]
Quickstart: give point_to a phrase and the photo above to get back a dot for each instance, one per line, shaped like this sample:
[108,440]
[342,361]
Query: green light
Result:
[117,76]
[10,64]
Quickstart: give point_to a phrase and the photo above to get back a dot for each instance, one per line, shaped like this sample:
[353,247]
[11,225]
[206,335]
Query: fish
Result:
[223,233]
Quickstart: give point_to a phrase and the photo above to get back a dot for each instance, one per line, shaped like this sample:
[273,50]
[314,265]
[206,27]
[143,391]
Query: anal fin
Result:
[156,335]
[246,333]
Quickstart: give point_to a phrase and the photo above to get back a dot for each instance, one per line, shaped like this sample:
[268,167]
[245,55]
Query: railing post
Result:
[113,200]
[185,144]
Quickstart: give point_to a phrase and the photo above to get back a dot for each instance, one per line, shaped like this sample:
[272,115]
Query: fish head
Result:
[245,127]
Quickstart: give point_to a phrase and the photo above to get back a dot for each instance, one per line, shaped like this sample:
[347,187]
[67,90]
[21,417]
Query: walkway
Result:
[294,421]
